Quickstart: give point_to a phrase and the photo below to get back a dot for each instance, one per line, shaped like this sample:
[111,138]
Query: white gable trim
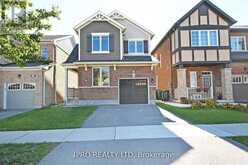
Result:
[98,16]
[118,15]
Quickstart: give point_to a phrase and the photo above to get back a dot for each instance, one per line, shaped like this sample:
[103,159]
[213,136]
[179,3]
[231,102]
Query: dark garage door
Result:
[133,91]
[240,92]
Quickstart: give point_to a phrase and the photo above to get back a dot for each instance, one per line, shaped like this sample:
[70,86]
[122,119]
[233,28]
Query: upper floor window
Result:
[204,38]
[238,43]
[135,46]
[100,43]
[44,53]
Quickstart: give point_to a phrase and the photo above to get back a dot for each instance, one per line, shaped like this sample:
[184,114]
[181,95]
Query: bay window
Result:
[101,76]
[204,38]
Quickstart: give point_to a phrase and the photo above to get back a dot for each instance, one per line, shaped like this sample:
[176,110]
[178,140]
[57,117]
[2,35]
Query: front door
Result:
[207,84]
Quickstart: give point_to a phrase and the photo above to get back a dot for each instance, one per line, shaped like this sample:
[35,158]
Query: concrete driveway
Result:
[8,113]
[125,115]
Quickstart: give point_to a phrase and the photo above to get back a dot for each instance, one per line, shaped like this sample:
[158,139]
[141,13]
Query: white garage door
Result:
[20,95]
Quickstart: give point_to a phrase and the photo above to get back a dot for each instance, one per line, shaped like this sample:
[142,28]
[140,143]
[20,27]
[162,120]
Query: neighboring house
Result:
[239,64]
[196,60]
[36,85]
[113,62]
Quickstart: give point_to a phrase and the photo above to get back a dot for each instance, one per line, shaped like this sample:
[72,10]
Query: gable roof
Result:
[119,15]
[50,38]
[212,6]
[98,16]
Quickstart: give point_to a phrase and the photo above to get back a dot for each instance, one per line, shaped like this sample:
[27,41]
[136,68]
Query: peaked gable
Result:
[117,15]
[98,16]
[202,8]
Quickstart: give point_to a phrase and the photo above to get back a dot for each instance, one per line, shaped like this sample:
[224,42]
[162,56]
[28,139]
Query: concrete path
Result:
[125,115]
[8,113]
[166,130]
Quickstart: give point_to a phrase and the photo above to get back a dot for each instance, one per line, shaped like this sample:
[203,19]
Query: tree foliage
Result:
[20,35]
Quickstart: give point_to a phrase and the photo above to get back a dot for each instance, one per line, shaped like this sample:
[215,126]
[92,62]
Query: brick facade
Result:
[87,92]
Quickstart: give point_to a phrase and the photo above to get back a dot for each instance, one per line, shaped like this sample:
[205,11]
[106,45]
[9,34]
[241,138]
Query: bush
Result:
[197,105]
[163,95]
[210,103]
[185,100]
[237,107]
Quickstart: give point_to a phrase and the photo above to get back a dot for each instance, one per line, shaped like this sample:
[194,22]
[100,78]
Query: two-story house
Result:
[195,55]
[239,64]
[36,84]
[113,62]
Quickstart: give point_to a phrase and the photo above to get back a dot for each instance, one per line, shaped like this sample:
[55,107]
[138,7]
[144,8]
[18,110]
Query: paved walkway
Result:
[166,130]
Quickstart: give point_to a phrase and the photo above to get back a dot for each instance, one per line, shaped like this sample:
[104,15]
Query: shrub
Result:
[162,95]
[197,105]
[210,103]
[185,100]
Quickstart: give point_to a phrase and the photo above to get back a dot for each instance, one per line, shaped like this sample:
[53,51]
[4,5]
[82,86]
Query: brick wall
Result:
[86,91]
[164,69]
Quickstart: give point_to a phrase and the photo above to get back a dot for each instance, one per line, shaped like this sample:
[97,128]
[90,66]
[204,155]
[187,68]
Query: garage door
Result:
[133,91]
[240,92]
[20,95]
[240,88]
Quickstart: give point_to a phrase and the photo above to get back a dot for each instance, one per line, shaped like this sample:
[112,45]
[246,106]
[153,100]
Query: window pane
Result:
[241,43]
[140,46]
[96,43]
[195,38]
[131,46]
[204,38]
[105,43]
[96,77]
[105,76]
[233,44]
[44,53]
[213,38]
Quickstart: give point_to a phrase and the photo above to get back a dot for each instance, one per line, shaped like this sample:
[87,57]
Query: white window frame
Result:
[193,83]
[100,35]
[100,86]
[29,84]
[135,45]
[237,76]
[245,76]
[9,84]
[42,52]
[237,37]
[209,40]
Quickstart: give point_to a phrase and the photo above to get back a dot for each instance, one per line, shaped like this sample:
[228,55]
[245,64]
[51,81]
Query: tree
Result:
[20,34]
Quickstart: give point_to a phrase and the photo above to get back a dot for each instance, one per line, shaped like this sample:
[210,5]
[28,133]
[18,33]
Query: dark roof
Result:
[243,28]
[73,57]
[137,58]
[15,65]
[228,18]
[132,58]
[52,37]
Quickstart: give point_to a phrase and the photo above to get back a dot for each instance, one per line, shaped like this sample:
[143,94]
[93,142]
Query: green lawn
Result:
[24,154]
[207,116]
[55,117]
[241,139]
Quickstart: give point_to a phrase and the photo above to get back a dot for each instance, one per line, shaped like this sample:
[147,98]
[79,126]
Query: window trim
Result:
[244,37]
[236,76]
[34,84]
[100,35]
[42,52]
[209,40]
[135,47]
[92,78]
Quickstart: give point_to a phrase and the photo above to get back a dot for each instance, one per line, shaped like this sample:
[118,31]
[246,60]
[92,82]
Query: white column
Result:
[66,86]
[226,79]
[5,96]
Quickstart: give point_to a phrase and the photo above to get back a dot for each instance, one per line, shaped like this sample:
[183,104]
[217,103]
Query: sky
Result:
[156,15]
